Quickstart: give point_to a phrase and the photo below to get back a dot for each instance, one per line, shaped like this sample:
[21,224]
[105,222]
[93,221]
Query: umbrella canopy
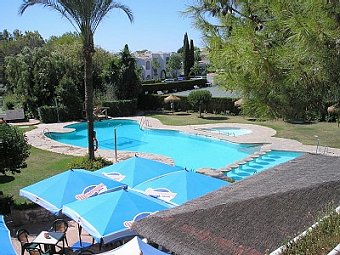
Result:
[171,98]
[180,187]
[134,247]
[239,102]
[109,216]
[75,184]
[6,242]
[136,170]
[335,109]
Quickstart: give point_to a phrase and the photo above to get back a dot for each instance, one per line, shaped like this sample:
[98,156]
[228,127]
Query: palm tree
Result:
[85,16]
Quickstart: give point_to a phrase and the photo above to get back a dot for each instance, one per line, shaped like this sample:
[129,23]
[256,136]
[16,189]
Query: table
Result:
[51,242]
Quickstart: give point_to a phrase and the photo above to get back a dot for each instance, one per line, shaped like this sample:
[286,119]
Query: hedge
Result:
[173,86]
[120,108]
[49,114]
[216,105]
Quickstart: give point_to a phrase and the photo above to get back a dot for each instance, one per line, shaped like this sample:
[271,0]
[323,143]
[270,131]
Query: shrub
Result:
[199,98]
[69,97]
[10,102]
[49,114]
[121,107]
[5,203]
[150,102]
[14,149]
[86,163]
[172,86]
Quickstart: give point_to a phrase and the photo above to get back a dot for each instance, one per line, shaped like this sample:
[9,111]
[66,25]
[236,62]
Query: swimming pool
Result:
[231,131]
[262,163]
[190,151]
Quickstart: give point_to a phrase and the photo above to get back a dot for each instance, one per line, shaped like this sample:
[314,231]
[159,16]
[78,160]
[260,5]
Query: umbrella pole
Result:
[116,158]
[79,233]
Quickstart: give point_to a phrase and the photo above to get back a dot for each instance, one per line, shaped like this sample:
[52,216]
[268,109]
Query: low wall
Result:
[34,215]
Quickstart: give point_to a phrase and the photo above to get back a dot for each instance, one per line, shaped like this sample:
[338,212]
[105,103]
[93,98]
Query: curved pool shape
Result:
[231,131]
[190,151]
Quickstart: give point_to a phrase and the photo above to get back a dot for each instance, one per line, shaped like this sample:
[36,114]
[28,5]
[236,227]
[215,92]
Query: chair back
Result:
[34,251]
[22,236]
[60,225]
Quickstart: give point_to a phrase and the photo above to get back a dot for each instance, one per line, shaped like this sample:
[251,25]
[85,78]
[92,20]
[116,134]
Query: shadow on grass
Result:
[182,114]
[216,118]
[6,179]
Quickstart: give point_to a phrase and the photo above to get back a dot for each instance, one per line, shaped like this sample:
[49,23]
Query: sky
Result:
[158,24]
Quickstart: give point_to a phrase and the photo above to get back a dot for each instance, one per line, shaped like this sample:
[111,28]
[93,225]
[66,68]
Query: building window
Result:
[147,65]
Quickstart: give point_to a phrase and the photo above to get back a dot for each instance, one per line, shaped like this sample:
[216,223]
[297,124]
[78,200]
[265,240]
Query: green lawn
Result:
[40,165]
[328,133]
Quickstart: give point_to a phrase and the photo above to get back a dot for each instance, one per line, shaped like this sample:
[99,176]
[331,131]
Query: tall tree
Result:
[186,56]
[85,16]
[129,85]
[191,55]
[280,55]
[174,64]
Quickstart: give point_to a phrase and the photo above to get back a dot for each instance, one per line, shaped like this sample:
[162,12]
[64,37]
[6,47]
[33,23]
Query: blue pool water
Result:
[190,151]
[262,163]
[231,131]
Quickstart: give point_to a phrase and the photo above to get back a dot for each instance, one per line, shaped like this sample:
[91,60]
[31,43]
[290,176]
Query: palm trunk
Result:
[89,99]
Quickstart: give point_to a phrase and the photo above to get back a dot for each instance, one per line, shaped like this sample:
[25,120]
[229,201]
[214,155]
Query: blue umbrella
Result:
[136,170]
[180,187]
[75,184]
[109,216]
[6,242]
[134,247]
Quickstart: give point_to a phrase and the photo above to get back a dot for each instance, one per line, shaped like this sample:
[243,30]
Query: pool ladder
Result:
[144,122]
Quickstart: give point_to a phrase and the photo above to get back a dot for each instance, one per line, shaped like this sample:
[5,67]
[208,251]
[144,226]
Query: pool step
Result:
[264,150]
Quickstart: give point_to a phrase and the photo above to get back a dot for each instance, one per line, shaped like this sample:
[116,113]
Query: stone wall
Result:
[34,215]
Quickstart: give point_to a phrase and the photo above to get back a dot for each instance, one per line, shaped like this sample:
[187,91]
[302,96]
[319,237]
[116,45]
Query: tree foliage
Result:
[198,99]
[14,149]
[129,85]
[174,64]
[282,56]
[86,17]
[186,56]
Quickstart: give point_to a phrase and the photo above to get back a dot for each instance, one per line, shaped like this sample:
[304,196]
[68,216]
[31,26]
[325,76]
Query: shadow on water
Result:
[6,179]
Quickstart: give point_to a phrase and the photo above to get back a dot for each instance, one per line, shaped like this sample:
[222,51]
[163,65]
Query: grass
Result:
[304,133]
[40,165]
[321,240]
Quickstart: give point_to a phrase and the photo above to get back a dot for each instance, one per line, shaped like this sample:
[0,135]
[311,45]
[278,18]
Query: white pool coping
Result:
[259,135]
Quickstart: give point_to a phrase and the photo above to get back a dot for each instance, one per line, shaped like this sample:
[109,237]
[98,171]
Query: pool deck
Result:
[259,135]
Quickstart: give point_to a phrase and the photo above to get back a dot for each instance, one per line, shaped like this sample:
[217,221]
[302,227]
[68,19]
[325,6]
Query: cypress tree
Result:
[192,54]
[186,56]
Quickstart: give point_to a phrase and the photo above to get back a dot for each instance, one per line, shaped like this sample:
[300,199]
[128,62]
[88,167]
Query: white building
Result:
[148,60]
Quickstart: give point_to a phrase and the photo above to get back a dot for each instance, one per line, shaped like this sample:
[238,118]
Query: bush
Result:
[5,204]
[49,114]
[14,149]
[216,105]
[150,102]
[69,97]
[92,165]
[173,86]
[198,99]
[119,108]
[11,102]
